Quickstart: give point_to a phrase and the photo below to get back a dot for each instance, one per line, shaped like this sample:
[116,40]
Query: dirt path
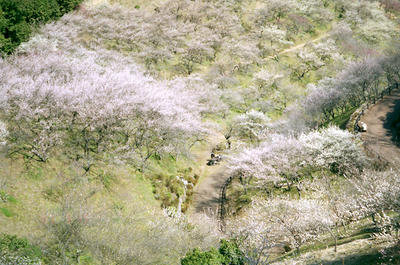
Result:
[299,46]
[379,136]
[206,192]
[212,178]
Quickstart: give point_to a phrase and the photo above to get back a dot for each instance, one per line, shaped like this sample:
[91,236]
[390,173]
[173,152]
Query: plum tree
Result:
[95,104]
[336,150]
[282,157]
[278,221]
[252,125]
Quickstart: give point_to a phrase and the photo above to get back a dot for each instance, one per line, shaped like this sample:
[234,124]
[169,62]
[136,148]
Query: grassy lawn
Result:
[342,119]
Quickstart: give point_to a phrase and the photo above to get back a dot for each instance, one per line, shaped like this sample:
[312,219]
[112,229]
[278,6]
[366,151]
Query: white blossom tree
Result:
[282,157]
[335,149]
[252,125]
[90,103]
[280,221]
[3,133]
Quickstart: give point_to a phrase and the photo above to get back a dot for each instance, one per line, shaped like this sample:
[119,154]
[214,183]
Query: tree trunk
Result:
[335,244]
[289,187]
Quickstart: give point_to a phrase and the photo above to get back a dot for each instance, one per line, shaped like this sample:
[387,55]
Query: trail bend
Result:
[381,134]
[207,191]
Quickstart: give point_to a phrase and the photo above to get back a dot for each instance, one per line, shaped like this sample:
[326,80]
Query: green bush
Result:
[37,11]
[14,249]
[6,212]
[4,197]
[227,254]
[68,5]
[231,253]
[197,257]
[17,17]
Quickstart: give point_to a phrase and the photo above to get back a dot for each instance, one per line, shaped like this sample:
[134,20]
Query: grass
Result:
[4,197]
[359,251]
[357,234]
[39,187]
[360,231]
[30,197]
[169,69]
[167,188]
[6,212]
[342,119]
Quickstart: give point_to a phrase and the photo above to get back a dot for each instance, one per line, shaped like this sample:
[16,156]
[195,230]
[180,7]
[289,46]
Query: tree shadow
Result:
[355,259]
[392,257]
[209,201]
[392,120]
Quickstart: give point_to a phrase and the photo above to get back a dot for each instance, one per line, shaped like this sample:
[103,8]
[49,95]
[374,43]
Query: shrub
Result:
[231,253]
[6,212]
[14,250]
[68,5]
[36,11]
[227,254]
[196,257]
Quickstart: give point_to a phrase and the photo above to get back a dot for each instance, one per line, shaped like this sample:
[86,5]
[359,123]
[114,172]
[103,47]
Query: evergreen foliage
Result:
[18,16]
[227,254]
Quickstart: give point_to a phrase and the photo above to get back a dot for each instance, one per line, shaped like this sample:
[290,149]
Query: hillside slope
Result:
[109,114]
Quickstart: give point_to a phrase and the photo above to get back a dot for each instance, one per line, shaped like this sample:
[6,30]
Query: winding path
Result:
[379,138]
[212,178]
[380,134]
[299,46]
[207,192]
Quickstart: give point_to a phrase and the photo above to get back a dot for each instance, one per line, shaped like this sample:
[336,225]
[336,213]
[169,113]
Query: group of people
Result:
[215,159]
